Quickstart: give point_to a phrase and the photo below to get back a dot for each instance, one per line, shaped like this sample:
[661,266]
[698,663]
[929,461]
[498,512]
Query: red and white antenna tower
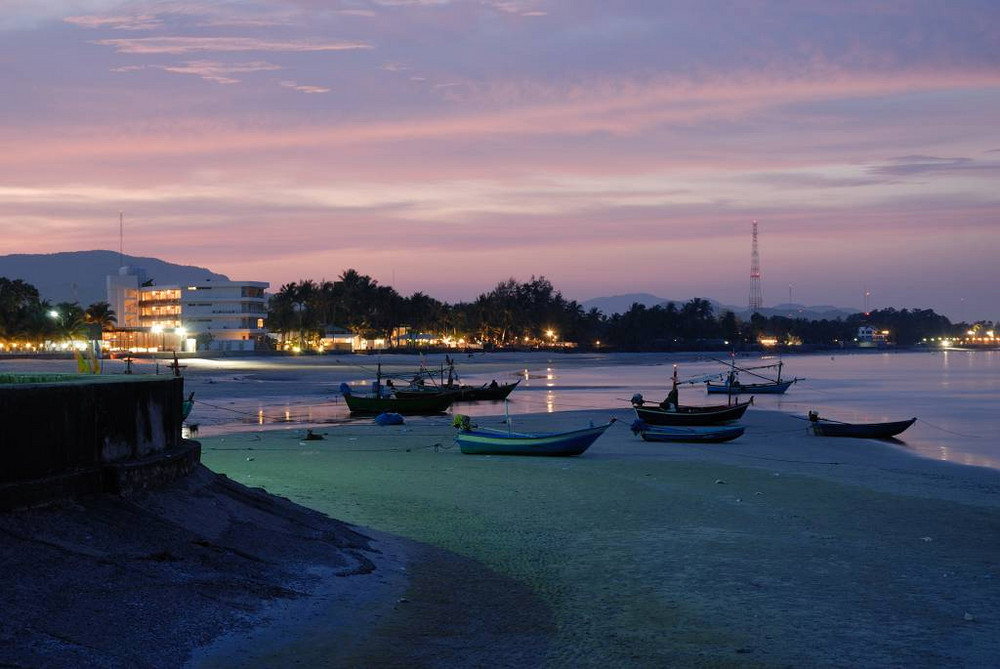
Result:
[756,299]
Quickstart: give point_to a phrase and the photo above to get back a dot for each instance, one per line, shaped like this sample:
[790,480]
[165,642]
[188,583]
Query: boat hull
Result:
[748,388]
[824,428]
[691,435]
[484,393]
[409,406]
[480,442]
[692,415]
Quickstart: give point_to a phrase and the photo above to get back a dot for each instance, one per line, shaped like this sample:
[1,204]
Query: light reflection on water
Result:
[953,393]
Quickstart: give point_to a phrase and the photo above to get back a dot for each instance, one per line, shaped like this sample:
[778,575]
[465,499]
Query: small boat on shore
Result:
[408,406]
[479,441]
[694,434]
[691,415]
[383,399]
[824,427]
[487,392]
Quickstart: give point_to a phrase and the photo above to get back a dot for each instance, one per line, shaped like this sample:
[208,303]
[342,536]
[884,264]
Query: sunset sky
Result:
[443,146]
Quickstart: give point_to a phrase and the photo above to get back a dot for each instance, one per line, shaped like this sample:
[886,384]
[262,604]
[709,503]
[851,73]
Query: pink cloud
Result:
[182,45]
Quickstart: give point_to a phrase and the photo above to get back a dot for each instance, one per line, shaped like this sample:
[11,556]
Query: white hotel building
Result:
[207,315]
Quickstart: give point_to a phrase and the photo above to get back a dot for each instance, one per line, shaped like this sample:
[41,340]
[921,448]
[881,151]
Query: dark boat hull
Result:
[486,393]
[476,442]
[692,415]
[824,428]
[483,393]
[432,403]
[776,388]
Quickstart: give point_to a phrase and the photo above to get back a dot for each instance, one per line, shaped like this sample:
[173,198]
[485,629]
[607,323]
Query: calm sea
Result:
[954,394]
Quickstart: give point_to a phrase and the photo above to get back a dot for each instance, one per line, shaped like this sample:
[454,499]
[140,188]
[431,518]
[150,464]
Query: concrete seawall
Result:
[67,435]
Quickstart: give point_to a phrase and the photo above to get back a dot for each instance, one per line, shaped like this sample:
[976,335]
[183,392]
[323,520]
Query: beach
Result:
[777,549]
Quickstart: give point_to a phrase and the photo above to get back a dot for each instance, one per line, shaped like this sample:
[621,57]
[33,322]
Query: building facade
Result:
[204,316]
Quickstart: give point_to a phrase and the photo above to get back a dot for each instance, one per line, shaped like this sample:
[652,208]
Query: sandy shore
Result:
[778,549]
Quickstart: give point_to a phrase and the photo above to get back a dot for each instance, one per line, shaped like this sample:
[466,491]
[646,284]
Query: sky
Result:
[444,146]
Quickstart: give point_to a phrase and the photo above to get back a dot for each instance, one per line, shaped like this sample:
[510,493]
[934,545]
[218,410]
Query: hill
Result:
[79,276]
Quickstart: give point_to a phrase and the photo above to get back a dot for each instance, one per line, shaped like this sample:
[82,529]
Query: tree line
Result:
[511,315]
[534,313]
[25,318]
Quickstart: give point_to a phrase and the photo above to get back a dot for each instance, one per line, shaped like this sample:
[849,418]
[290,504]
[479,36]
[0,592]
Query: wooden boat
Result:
[419,386]
[765,386]
[383,399]
[463,393]
[825,427]
[692,434]
[768,388]
[498,442]
[692,415]
[406,406]
[488,392]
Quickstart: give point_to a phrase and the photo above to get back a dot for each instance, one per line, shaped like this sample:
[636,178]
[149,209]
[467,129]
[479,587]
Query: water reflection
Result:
[953,393]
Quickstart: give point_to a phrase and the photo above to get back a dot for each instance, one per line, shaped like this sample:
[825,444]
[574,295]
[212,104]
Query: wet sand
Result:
[777,549]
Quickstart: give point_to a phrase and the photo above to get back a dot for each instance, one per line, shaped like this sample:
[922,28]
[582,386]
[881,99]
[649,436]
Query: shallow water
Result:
[954,394]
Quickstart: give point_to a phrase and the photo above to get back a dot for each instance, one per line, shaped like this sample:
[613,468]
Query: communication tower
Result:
[756,299]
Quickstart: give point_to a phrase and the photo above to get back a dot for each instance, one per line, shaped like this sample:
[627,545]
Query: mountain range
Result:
[79,276]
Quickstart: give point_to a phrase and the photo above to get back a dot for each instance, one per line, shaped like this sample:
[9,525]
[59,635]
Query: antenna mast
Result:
[756,299]
[121,238]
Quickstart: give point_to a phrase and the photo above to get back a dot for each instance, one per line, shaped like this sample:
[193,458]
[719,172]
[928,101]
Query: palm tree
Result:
[101,313]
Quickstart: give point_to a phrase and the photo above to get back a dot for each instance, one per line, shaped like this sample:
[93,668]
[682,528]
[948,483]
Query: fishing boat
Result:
[765,386]
[492,392]
[463,393]
[670,412]
[478,441]
[405,406]
[692,415]
[692,434]
[384,399]
[425,383]
[824,427]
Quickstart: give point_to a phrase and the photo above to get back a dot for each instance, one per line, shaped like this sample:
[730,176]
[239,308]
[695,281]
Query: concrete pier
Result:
[67,435]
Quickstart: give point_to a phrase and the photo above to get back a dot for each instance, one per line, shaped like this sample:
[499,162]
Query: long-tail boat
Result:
[824,427]
[699,434]
[478,441]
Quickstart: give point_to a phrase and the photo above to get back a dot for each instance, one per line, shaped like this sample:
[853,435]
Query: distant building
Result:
[872,337]
[207,315]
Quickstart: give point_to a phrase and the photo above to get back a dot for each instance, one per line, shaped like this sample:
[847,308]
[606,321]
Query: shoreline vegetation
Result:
[356,312]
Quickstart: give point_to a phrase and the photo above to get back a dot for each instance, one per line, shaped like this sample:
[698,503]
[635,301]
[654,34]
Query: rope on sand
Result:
[958,434]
